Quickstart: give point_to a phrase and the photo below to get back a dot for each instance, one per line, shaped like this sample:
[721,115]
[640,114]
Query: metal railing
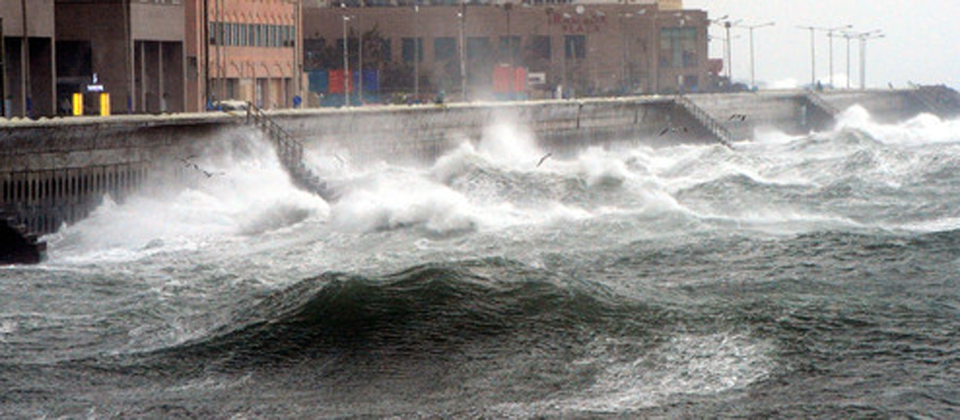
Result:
[712,125]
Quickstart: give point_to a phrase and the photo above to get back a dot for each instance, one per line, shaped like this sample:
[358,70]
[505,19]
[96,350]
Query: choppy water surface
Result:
[790,277]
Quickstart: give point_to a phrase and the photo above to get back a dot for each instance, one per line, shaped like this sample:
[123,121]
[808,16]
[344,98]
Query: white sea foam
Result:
[922,129]
[686,364]
[245,195]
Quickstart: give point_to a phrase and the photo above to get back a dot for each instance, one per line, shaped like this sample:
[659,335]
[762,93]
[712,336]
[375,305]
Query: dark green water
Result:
[788,278]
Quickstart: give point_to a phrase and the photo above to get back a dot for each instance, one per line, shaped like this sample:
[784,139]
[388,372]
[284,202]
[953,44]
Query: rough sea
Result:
[787,277]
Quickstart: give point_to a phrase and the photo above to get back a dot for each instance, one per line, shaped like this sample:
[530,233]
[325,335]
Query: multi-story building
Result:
[131,49]
[605,48]
[243,50]
[28,86]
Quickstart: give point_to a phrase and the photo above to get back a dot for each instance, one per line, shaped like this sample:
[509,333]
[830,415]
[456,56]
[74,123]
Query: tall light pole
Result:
[813,54]
[416,54]
[625,56]
[847,36]
[461,17]
[864,37]
[563,62]
[25,63]
[725,23]
[360,51]
[830,32]
[346,63]
[849,74]
[753,75]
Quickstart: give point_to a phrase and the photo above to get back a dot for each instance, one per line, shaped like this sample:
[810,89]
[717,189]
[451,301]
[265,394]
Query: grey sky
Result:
[922,42]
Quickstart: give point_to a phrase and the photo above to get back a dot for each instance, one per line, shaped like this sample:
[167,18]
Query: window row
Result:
[252,35]
[478,48]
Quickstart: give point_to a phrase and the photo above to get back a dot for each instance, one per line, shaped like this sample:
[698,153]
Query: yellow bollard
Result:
[77,104]
[104,104]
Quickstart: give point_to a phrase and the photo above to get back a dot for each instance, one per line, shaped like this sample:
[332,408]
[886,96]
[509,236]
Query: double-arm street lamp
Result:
[753,75]
[864,37]
[813,49]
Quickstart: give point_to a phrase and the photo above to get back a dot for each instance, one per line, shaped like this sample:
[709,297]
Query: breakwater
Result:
[56,171]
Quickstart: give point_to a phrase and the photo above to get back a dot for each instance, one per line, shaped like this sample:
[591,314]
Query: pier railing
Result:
[712,125]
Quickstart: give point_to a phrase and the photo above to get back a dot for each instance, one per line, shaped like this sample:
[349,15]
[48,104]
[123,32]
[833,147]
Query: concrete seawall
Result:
[55,171]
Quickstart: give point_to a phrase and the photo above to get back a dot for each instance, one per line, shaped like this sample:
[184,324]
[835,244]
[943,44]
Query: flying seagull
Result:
[738,117]
[544,158]
[672,129]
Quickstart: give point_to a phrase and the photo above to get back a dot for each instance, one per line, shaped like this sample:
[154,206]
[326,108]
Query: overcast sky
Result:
[922,43]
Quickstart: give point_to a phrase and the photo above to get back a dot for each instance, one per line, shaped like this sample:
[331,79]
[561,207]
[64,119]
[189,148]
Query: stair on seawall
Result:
[721,133]
[817,101]
[290,152]
[17,244]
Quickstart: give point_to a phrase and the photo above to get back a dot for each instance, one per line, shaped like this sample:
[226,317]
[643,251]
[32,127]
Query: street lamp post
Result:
[625,56]
[725,23]
[461,16]
[360,52]
[864,37]
[830,32]
[346,63]
[563,62]
[416,55]
[753,76]
[849,76]
[813,54]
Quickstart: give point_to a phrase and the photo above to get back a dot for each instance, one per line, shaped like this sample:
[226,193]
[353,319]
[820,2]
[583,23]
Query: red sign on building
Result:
[336,82]
[508,79]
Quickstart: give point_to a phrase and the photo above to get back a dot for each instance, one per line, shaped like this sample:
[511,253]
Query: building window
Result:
[540,47]
[678,47]
[444,48]
[385,50]
[411,49]
[575,46]
[509,49]
[478,48]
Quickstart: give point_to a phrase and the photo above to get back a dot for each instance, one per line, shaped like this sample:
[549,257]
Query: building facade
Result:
[576,49]
[131,49]
[28,86]
[243,50]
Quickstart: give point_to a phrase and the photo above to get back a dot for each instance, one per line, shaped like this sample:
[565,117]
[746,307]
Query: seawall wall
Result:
[55,171]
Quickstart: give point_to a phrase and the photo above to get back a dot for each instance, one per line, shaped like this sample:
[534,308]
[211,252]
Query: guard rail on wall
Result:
[708,122]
